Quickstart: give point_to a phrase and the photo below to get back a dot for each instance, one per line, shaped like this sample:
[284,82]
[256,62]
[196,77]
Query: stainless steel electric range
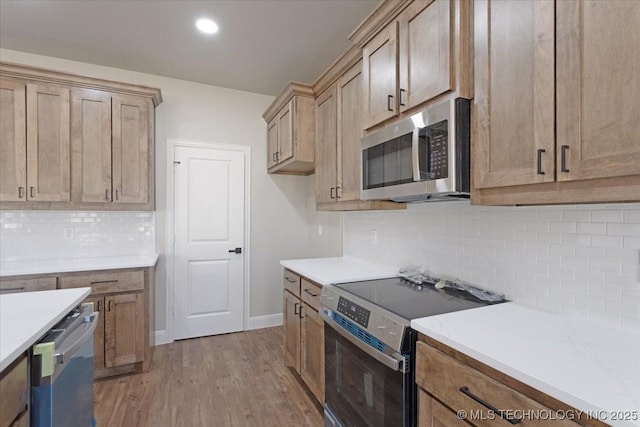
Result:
[369,348]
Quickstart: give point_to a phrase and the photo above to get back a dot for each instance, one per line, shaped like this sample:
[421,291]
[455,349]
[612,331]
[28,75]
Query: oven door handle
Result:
[387,360]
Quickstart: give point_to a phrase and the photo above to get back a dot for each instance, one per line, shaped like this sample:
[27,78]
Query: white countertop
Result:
[25,318]
[585,365]
[325,271]
[21,268]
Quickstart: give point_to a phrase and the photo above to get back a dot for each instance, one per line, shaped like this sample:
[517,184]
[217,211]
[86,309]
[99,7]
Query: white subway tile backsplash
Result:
[583,260]
[49,235]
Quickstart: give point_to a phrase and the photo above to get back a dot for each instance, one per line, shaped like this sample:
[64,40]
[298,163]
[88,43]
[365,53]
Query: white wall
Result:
[582,260]
[280,213]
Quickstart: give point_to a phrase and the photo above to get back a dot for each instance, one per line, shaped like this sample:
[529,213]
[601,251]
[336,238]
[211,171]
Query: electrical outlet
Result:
[374,236]
[320,230]
[68,233]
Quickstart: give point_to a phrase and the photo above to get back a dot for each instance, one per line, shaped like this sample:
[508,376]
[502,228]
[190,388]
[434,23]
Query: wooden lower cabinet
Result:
[291,320]
[312,354]
[14,394]
[451,384]
[432,413]
[121,339]
[304,332]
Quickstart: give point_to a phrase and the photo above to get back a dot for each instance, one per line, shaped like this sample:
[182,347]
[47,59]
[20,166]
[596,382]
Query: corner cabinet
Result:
[420,55]
[304,331]
[290,131]
[71,142]
[338,153]
[556,117]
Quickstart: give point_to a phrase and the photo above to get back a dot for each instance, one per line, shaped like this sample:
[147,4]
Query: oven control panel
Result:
[354,312]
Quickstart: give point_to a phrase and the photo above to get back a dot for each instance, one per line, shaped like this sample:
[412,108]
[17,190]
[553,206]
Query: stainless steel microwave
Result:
[422,158]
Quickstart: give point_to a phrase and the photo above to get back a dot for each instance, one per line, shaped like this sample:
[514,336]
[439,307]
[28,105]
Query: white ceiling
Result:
[261,45]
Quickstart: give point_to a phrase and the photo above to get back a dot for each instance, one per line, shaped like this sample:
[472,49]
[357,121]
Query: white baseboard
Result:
[160,337]
[267,321]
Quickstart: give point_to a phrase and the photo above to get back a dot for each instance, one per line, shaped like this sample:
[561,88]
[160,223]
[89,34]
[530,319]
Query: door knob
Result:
[235,251]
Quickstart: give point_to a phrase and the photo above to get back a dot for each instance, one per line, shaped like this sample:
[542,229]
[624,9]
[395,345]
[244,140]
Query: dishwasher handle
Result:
[89,326]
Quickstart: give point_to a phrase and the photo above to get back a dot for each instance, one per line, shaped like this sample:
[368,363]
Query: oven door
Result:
[364,387]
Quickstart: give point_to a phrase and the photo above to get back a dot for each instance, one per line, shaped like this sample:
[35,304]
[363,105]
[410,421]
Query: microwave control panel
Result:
[438,149]
[354,312]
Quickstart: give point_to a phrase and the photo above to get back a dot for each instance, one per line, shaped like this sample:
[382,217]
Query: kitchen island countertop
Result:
[586,365]
[21,268]
[26,317]
[325,271]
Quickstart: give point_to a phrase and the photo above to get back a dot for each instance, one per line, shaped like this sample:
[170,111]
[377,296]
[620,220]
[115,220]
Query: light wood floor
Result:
[226,380]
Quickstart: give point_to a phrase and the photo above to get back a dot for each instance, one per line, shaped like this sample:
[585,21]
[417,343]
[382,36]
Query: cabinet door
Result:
[13,143]
[98,335]
[272,143]
[130,133]
[285,132]
[291,317]
[349,91]
[380,75]
[326,149]
[426,51]
[598,85]
[90,146]
[514,92]
[124,329]
[432,413]
[48,143]
[312,358]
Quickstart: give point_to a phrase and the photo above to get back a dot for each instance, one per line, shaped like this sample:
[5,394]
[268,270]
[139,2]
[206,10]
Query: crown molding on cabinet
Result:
[386,12]
[74,80]
[290,90]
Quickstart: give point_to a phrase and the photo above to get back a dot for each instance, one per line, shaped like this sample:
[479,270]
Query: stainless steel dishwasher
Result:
[62,372]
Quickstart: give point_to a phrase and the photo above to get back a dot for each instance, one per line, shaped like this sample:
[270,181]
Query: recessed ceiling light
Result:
[207,26]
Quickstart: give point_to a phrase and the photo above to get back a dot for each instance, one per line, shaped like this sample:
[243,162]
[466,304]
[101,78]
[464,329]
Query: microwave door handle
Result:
[415,153]
[390,362]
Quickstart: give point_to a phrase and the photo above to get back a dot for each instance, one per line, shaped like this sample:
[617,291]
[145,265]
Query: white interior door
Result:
[209,224]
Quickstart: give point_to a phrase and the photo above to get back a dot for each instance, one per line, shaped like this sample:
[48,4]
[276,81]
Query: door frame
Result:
[172,143]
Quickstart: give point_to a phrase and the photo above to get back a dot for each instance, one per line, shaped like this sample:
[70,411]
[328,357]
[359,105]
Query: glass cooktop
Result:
[409,300]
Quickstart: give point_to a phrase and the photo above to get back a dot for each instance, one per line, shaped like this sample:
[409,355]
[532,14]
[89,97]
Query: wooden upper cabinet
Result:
[291,131]
[426,51]
[514,92]
[380,70]
[349,97]
[272,143]
[13,148]
[48,143]
[91,146]
[598,89]
[71,142]
[124,329]
[131,149]
[285,132]
[326,148]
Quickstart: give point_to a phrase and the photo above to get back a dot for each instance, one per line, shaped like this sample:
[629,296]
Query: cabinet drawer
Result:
[13,389]
[291,282]
[460,387]
[8,286]
[106,282]
[310,293]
